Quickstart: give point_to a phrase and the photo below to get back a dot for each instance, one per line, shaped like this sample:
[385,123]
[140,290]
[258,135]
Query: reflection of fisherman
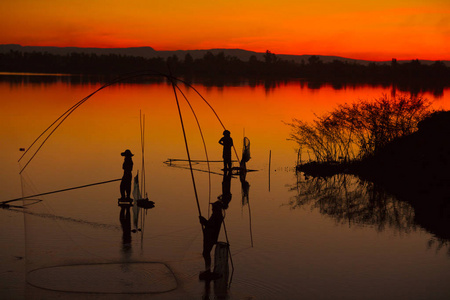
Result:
[210,235]
[125,222]
[226,190]
[245,186]
[125,184]
[227,142]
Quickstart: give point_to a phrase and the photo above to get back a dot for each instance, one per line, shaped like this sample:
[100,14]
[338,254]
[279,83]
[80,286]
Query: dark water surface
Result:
[290,237]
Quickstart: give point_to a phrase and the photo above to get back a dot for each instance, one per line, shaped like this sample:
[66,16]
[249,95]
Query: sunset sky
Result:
[373,30]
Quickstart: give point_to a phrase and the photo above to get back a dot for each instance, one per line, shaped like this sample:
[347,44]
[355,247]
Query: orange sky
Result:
[375,30]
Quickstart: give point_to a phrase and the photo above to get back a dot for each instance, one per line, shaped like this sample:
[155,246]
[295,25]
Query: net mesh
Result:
[77,245]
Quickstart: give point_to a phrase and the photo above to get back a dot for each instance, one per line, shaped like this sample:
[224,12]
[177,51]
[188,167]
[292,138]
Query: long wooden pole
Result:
[63,190]
[187,148]
[270,160]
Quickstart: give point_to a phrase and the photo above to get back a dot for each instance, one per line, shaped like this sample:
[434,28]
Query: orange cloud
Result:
[400,29]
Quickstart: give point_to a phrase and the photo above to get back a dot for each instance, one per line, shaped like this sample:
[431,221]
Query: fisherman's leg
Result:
[128,187]
[207,257]
[207,247]
[207,274]
[224,163]
[122,189]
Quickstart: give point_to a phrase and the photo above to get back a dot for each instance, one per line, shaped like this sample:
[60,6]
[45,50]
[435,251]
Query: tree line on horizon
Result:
[412,75]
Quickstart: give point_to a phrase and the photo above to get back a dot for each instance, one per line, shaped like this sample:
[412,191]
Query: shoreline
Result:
[414,168]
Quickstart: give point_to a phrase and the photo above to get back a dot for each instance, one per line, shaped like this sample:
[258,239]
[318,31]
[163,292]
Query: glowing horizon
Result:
[382,30]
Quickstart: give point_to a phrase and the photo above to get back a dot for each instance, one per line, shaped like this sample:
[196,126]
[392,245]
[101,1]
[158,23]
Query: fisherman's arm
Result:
[203,221]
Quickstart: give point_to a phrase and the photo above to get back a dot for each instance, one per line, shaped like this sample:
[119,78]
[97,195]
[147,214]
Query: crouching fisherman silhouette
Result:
[125,184]
[211,229]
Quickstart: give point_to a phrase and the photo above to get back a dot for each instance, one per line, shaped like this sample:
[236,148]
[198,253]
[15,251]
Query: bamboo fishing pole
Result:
[63,190]
[187,147]
[204,145]
[270,161]
[58,122]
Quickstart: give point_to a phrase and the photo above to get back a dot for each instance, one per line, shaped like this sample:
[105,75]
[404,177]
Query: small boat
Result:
[145,203]
[137,194]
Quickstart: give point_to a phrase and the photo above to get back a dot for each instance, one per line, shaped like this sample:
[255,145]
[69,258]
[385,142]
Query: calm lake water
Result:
[290,237]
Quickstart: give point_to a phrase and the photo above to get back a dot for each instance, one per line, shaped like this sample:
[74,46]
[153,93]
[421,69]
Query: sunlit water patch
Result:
[289,237]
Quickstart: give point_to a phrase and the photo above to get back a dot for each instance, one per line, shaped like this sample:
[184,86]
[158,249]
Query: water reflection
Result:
[245,191]
[125,222]
[182,248]
[245,187]
[351,201]
[138,207]
[226,196]
[221,283]
[415,88]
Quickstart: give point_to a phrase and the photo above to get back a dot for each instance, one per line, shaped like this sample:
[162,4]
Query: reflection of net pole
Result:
[250,222]
[229,251]
[270,159]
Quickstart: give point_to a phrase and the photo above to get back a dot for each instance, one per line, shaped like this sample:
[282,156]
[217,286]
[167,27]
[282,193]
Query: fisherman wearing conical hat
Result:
[227,142]
[125,184]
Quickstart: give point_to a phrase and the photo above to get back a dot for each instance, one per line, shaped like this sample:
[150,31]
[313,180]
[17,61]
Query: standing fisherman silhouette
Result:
[227,142]
[125,184]
[211,232]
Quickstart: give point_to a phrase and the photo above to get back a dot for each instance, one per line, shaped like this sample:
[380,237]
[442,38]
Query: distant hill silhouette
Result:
[149,52]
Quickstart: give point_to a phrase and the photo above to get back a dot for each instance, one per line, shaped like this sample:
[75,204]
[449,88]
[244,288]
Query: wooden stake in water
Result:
[221,255]
[299,156]
[270,160]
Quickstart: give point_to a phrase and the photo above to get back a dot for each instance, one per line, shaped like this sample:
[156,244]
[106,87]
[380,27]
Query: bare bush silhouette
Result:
[359,130]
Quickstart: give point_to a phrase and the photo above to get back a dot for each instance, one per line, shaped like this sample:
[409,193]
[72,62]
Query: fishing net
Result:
[81,241]
[86,241]
[246,150]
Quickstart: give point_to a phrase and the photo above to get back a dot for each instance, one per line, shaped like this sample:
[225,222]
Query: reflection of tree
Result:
[414,76]
[347,199]
[438,244]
